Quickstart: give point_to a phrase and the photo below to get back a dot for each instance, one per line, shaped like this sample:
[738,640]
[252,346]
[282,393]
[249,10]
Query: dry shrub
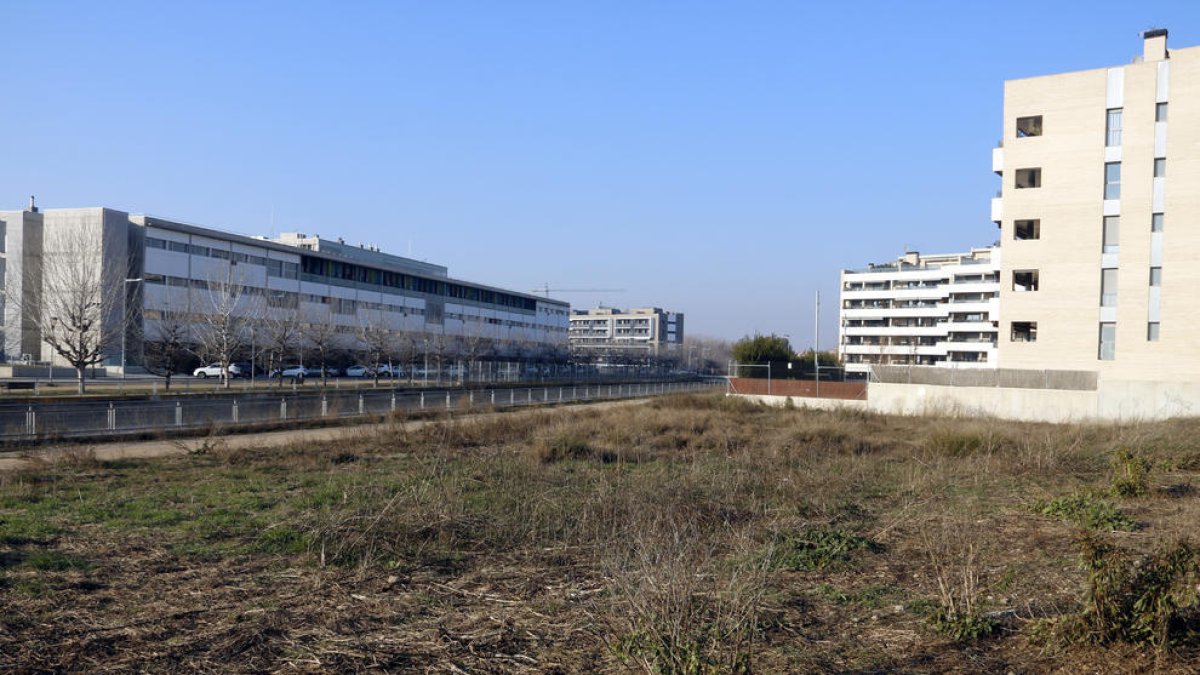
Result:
[964,439]
[953,551]
[75,458]
[682,608]
[1142,600]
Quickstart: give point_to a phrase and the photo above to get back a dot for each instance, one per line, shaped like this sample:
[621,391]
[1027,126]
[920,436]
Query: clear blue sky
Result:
[723,159]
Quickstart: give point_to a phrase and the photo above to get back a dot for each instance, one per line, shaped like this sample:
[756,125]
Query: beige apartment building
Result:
[1099,215]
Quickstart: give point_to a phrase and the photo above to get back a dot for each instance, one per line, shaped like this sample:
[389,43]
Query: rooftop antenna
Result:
[32,205]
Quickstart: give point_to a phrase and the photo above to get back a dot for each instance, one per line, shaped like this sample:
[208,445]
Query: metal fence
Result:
[49,420]
[1073,380]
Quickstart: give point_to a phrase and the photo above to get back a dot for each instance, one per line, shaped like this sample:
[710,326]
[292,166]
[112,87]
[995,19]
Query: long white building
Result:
[931,310]
[172,270]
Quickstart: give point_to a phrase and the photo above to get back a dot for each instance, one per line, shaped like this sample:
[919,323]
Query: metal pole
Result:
[816,343]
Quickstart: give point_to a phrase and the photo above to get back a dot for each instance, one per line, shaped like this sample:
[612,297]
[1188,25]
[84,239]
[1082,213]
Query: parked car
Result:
[294,372]
[359,371]
[386,370]
[330,371]
[214,370]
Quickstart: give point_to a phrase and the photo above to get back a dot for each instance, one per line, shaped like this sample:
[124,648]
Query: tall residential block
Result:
[921,310]
[1099,216]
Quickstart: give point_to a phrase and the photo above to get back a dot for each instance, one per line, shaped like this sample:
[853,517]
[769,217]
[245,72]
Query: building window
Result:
[1112,180]
[1029,126]
[1024,331]
[1112,128]
[1025,280]
[1160,112]
[1108,341]
[1160,167]
[1028,178]
[1156,222]
[1155,276]
[1108,287]
[1152,331]
[1027,229]
[1112,234]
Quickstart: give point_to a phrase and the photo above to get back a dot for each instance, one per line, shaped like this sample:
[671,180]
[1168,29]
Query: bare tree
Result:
[320,332]
[376,339]
[167,345]
[281,329]
[223,311]
[78,306]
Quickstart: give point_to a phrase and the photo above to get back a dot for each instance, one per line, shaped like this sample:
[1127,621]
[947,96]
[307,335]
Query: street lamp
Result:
[125,328]
[425,375]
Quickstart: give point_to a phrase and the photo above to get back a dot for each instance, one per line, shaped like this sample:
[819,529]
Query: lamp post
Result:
[425,374]
[125,328]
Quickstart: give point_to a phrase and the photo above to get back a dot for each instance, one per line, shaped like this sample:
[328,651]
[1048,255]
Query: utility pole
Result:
[817,342]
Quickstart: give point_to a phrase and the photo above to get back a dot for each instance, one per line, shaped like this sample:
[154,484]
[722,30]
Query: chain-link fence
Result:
[1073,380]
[40,421]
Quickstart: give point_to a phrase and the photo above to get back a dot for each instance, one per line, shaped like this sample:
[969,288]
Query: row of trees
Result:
[776,350]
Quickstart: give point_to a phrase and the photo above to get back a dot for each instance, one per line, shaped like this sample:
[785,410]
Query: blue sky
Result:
[717,158]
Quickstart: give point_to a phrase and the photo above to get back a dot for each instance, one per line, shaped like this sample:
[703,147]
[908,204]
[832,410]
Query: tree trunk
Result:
[81,374]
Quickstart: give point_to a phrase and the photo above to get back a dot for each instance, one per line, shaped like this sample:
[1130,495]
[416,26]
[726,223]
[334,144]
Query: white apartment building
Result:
[172,268]
[647,329]
[924,310]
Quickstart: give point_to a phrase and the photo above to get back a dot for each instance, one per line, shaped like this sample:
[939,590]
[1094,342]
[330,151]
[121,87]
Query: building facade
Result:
[1100,218]
[931,310]
[645,329]
[172,273]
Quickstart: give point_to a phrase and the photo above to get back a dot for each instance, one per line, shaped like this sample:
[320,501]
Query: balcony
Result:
[997,209]
[998,160]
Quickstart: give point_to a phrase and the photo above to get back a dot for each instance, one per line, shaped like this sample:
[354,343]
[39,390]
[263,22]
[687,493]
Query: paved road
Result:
[266,439]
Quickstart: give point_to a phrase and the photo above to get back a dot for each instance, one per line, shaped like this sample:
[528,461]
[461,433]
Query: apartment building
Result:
[921,310]
[171,272]
[1100,218]
[647,329]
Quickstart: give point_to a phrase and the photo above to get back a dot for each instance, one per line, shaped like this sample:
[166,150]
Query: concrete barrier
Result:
[1113,401]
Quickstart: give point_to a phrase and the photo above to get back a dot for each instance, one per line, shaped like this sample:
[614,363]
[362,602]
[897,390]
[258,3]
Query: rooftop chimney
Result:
[1154,46]
[32,205]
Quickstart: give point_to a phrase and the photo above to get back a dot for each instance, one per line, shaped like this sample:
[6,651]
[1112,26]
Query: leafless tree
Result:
[281,329]
[223,308]
[376,339]
[78,306]
[167,345]
[321,334]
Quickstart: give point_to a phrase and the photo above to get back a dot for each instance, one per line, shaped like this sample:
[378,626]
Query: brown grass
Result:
[693,534]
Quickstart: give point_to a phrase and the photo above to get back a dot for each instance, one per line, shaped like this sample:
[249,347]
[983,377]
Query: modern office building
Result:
[645,329]
[922,310]
[1099,217]
[171,272]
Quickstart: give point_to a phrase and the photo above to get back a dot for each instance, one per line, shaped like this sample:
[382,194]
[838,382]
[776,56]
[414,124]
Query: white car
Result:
[294,372]
[214,370]
[358,371]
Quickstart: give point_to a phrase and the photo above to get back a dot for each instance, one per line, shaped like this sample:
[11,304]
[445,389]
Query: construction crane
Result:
[547,290]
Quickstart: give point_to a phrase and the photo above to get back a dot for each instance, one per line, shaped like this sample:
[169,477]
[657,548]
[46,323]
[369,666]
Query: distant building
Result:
[173,267]
[646,329]
[931,310]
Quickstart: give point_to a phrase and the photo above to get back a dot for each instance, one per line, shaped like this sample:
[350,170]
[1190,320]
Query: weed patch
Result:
[1130,473]
[1145,601]
[819,547]
[1088,511]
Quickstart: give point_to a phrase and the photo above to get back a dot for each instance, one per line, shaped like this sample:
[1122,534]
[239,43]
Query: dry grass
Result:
[687,535]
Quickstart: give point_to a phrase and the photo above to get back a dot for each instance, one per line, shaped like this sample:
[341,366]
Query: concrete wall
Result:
[1114,401]
[806,402]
